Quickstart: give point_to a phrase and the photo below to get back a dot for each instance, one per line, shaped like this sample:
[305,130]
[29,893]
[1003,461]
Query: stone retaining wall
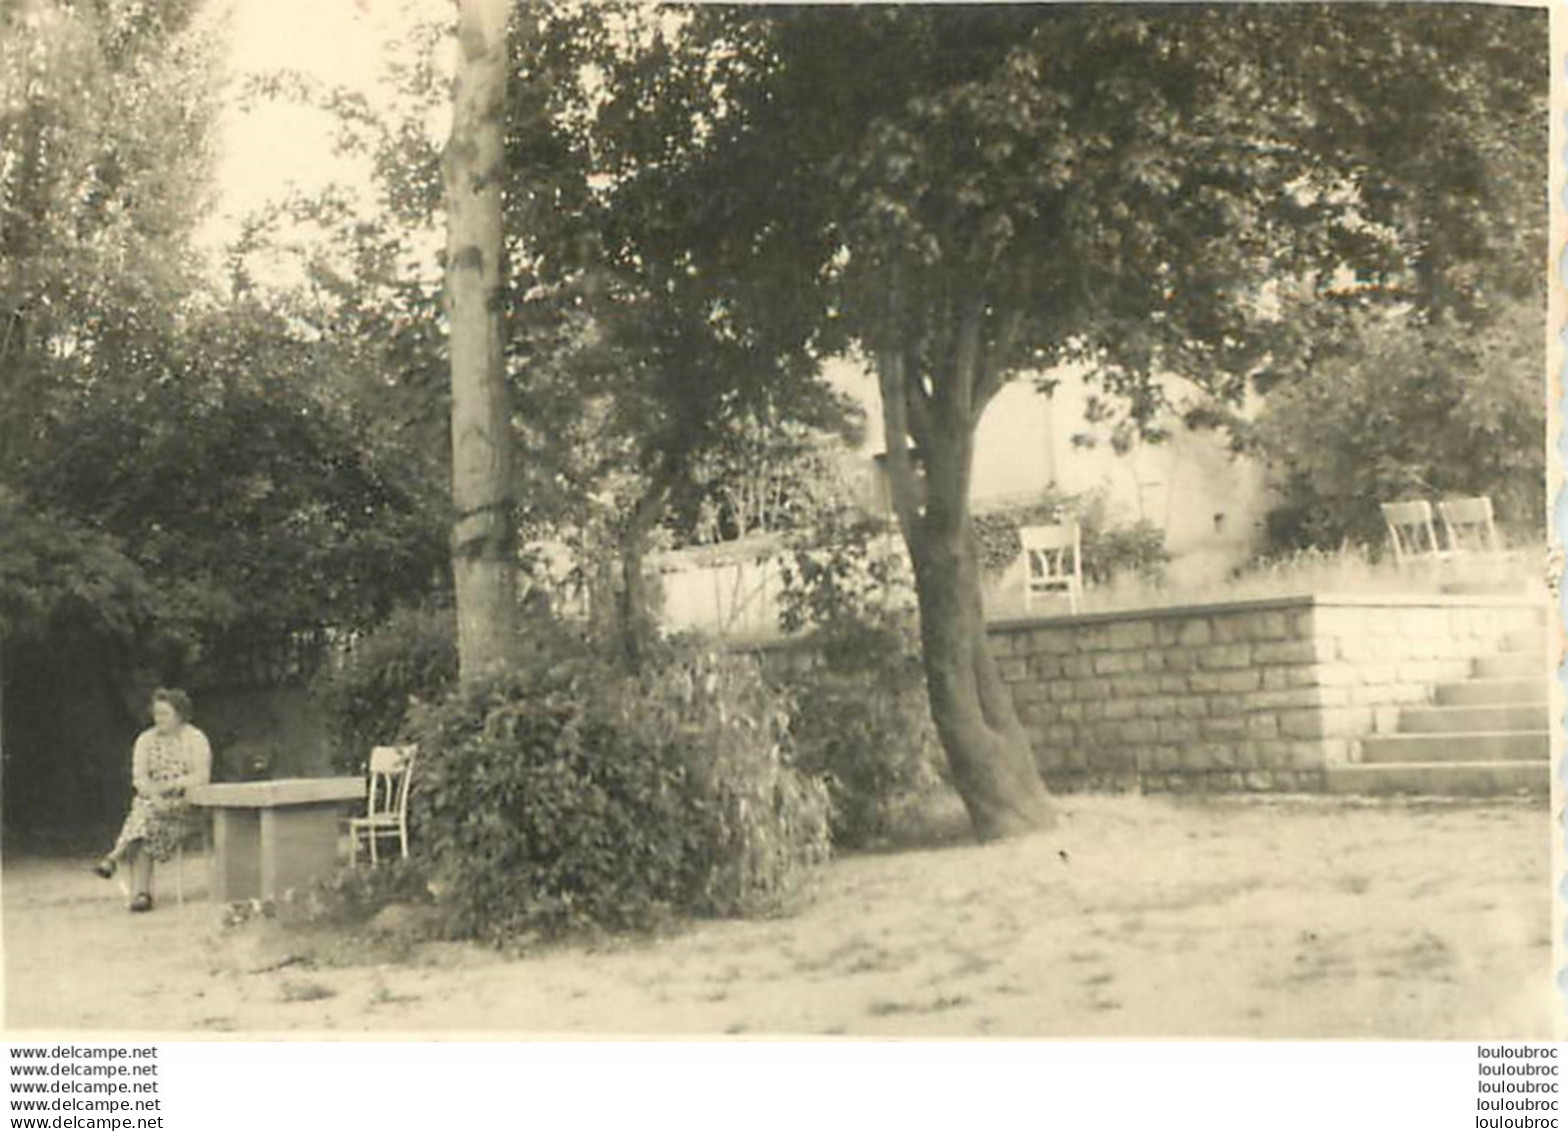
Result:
[1255,695]
[1251,695]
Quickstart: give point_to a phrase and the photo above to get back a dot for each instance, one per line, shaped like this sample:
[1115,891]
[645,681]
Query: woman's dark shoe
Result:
[104,868]
[142,902]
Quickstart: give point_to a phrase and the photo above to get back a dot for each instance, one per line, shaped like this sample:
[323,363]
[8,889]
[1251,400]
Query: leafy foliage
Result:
[565,796]
[1109,550]
[1406,410]
[410,656]
[862,719]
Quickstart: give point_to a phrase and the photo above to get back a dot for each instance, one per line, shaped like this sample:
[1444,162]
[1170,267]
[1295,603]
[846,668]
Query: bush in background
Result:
[1109,550]
[1403,409]
[412,655]
[567,796]
[862,719]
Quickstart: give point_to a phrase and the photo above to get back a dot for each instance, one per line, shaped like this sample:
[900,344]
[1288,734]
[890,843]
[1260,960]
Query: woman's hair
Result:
[175,698]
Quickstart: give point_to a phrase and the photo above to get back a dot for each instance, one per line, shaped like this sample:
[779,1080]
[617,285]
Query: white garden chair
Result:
[386,804]
[1412,533]
[1053,560]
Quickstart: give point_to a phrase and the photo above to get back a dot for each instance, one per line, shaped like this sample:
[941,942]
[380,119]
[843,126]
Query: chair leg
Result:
[353,847]
[370,835]
[179,873]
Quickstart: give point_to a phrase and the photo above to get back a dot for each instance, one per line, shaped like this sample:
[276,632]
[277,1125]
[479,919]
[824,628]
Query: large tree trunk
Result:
[484,560]
[987,749]
[636,625]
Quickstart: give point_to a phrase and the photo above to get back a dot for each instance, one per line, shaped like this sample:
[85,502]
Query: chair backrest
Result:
[1052,554]
[1469,525]
[1410,529]
[391,771]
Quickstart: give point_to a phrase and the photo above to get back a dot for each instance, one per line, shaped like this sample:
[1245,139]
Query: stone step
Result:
[1491,692]
[1473,720]
[1495,746]
[1511,665]
[1441,779]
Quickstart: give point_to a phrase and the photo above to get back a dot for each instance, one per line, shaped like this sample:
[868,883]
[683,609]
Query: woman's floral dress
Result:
[162,823]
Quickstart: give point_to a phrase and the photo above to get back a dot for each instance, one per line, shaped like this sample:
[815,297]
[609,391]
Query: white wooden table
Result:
[270,836]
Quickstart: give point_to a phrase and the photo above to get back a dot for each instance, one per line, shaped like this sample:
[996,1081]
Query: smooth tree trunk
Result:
[987,749]
[484,539]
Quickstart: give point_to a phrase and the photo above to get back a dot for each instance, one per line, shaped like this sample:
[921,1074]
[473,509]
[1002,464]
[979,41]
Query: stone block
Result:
[1225,727]
[1302,723]
[1164,758]
[1262,726]
[1051,641]
[1174,685]
[1180,660]
[1232,681]
[1157,707]
[1304,755]
[1093,690]
[1044,667]
[1077,667]
[1178,730]
[1012,668]
[1225,656]
[1132,634]
[1300,697]
[1121,709]
[1153,659]
[1113,663]
[1293,651]
[1194,633]
[1139,731]
[1061,735]
[1191,707]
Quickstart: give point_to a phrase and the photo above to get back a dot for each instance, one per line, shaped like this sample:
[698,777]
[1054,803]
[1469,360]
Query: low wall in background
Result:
[1251,695]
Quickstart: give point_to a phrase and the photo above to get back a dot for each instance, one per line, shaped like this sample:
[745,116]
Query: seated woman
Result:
[167,760]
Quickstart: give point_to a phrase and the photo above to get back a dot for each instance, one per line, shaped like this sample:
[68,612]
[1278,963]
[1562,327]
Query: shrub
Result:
[1400,408]
[565,796]
[1108,550]
[413,655]
[863,719]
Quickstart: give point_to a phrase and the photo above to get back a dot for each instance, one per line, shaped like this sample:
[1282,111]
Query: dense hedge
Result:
[413,655]
[567,796]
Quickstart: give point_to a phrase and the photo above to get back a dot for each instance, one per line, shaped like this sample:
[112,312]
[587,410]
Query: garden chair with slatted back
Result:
[1053,559]
[386,806]
[1412,533]
[1469,526]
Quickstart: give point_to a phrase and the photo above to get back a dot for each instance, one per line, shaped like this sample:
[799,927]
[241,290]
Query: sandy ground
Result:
[1303,918]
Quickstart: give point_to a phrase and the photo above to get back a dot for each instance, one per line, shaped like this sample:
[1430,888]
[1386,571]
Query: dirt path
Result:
[1139,917]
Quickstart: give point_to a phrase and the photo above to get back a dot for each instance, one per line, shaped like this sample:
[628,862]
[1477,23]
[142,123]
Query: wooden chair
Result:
[1469,526]
[386,804]
[1411,532]
[1053,560]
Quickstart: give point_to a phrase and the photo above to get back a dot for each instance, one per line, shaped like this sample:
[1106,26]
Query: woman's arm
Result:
[139,776]
[200,759]
[197,753]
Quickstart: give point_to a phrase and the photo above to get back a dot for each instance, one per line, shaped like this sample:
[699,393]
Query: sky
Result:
[267,150]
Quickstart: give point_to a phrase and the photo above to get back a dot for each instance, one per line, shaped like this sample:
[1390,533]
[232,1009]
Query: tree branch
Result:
[995,367]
